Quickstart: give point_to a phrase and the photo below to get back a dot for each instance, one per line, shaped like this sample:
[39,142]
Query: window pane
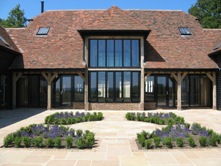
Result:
[135,86]
[149,89]
[126,90]
[118,53]
[93,53]
[101,53]
[33,92]
[110,86]
[118,85]
[22,91]
[43,91]
[93,86]
[127,53]
[78,89]
[110,53]
[101,87]
[135,53]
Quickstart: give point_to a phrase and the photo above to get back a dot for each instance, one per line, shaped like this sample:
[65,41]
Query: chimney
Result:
[42,6]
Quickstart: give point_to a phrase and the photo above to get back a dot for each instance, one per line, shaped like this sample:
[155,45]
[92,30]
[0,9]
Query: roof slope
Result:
[6,41]
[164,47]
[114,19]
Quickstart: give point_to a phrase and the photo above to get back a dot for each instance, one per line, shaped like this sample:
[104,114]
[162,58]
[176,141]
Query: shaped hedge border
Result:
[45,136]
[66,118]
[157,118]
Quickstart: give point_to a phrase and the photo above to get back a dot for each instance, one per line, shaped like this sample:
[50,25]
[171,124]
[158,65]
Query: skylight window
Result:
[3,40]
[43,31]
[185,31]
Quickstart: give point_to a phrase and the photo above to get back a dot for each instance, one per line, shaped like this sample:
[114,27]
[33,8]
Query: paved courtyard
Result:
[115,142]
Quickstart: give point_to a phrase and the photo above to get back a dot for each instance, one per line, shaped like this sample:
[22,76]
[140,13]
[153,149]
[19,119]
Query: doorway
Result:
[160,89]
[67,89]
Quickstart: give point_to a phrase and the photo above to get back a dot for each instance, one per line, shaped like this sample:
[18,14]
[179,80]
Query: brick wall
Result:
[150,106]
[116,106]
[78,105]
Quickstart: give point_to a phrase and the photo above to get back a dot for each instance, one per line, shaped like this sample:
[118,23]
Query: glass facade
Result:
[31,91]
[160,89]
[2,91]
[113,86]
[114,53]
[67,89]
[196,91]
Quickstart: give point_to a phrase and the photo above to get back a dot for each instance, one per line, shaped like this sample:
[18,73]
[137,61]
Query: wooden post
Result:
[86,103]
[49,77]
[142,76]
[212,77]
[15,78]
[179,92]
[179,77]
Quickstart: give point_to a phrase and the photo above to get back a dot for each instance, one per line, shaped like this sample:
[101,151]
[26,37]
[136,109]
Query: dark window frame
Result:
[106,99]
[122,58]
[45,31]
[185,31]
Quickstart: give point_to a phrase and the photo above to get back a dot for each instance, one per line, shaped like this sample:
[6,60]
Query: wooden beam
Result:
[212,77]
[15,78]
[81,75]
[174,76]
[147,74]
[179,76]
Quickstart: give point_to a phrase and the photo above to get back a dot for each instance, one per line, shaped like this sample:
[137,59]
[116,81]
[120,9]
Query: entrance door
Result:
[165,88]
[162,91]
[66,91]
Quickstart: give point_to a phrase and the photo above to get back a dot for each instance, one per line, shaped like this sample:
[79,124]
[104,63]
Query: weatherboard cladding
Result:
[165,48]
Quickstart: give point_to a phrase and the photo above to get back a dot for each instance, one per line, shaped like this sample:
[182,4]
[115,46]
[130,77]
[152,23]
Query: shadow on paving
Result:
[8,117]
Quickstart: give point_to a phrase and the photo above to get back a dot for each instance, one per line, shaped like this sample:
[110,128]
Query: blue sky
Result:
[33,7]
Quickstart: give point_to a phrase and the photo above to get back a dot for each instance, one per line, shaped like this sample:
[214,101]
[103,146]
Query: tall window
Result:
[114,53]
[112,86]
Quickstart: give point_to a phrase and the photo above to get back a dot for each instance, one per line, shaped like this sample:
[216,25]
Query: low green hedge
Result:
[67,118]
[45,136]
[157,118]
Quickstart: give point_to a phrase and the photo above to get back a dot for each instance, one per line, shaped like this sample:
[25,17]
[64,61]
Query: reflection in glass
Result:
[66,91]
[118,86]
[110,53]
[127,86]
[101,53]
[78,89]
[127,53]
[101,86]
[135,86]
[135,53]
[118,53]
[93,86]
[110,86]
[93,53]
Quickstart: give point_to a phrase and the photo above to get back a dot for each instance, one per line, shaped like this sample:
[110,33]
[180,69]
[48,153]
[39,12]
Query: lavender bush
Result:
[48,136]
[180,135]
[157,118]
[65,118]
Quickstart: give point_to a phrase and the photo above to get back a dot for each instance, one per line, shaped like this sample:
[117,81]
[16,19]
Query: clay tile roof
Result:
[114,19]
[6,42]
[165,48]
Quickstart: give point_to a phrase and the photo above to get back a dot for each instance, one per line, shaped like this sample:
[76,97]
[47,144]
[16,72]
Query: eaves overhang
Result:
[87,32]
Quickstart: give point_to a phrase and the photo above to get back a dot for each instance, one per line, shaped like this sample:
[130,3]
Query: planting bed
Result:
[176,134]
[157,118]
[65,118]
[49,136]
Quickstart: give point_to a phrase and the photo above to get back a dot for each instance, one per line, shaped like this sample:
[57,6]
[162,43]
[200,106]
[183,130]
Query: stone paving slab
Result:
[116,144]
